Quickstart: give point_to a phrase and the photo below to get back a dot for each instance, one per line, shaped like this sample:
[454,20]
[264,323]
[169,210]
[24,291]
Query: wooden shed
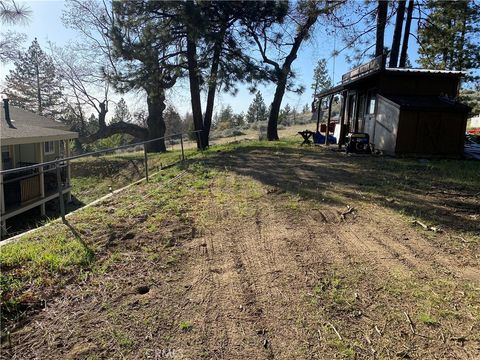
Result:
[404,111]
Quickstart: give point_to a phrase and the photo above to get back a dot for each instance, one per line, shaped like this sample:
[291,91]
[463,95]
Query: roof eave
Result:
[37,139]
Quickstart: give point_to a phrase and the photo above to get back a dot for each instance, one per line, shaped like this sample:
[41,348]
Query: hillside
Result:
[258,251]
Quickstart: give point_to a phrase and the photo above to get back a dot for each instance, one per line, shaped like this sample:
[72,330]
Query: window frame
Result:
[51,149]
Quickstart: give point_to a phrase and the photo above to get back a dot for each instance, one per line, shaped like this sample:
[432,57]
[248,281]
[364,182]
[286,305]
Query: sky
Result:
[45,24]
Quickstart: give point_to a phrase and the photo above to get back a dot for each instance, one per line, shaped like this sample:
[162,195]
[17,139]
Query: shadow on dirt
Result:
[443,192]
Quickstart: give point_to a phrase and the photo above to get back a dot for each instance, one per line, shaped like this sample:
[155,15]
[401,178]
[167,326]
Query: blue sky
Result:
[46,25]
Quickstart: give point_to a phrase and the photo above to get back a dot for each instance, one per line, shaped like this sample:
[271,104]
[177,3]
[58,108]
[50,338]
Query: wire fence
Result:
[67,183]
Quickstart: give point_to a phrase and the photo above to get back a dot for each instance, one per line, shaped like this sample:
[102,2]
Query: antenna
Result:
[334,54]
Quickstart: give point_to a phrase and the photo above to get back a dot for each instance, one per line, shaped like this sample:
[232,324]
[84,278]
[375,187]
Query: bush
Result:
[231,133]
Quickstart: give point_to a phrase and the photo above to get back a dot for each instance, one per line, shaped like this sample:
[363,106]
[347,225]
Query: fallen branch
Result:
[370,344]
[410,322]
[336,332]
[431,228]
[350,210]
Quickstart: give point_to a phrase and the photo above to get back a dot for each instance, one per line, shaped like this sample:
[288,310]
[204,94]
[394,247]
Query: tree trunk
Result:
[397,34]
[39,94]
[406,35]
[282,76]
[381,22]
[461,41]
[272,133]
[155,121]
[117,128]
[194,79]
[212,88]
[102,115]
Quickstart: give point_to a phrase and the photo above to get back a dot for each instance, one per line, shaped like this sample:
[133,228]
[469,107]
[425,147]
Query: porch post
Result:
[42,179]
[67,151]
[343,108]
[3,224]
[318,112]
[327,130]
[357,108]
[13,157]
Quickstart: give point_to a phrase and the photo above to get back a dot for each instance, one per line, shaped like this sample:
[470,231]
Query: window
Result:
[372,98]
[6,161]
[5,153]
[49,147]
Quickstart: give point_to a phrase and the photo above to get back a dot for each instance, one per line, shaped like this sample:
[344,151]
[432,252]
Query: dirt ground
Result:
[274,254]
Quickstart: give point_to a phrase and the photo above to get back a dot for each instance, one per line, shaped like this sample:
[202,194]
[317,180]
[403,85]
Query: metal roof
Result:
[344,85]
[431,71]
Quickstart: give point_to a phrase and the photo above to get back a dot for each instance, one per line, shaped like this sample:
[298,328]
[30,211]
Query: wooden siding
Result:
[431,133]
[418,84]
[30,188]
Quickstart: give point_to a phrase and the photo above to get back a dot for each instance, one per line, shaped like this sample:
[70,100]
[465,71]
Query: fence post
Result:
[181,144]
[60,191]
[145,160]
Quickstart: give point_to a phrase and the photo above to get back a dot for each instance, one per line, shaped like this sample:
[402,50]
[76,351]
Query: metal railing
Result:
[57,164]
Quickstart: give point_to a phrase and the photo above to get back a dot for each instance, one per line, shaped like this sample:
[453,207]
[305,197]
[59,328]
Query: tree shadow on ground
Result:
[433,190]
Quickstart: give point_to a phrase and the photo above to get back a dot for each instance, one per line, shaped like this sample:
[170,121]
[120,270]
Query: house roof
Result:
[345,84]
[429,71]
[31,128]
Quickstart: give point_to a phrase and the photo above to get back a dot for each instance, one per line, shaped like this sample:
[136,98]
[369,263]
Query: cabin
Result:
[27,139]
[404,111]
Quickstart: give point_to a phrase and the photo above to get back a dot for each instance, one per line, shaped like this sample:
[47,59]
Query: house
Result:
[27,139]
[474,121]
[404,111]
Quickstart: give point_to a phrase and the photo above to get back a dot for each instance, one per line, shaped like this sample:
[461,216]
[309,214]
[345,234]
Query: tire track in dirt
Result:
[417,249]
[215,308]
[384,247]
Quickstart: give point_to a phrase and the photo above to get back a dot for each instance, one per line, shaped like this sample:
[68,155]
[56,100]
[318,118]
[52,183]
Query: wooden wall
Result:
[431,132]
[404,83]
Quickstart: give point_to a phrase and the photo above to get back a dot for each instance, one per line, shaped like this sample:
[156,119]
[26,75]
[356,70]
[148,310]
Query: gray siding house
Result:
[26,139]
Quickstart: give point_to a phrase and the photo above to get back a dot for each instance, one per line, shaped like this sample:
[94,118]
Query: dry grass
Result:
[246,254]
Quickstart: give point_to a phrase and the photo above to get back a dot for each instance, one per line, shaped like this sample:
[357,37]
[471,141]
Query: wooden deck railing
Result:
[30,188]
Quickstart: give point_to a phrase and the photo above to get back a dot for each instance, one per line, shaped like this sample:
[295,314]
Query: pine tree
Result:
[306,108]
[321,80]
[284,114]
[225,117]
[449,37]
[257,111]
[173,121]
[121,112]
[33,84]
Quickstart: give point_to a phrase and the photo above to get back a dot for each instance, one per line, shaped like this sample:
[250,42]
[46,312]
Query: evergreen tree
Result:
[321,80]
[238,119]
[257,111]
[121,112]
[284,114]
[306,108]
[450,36]
[33,84]
[472,99]
[173,121]
[225,117]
